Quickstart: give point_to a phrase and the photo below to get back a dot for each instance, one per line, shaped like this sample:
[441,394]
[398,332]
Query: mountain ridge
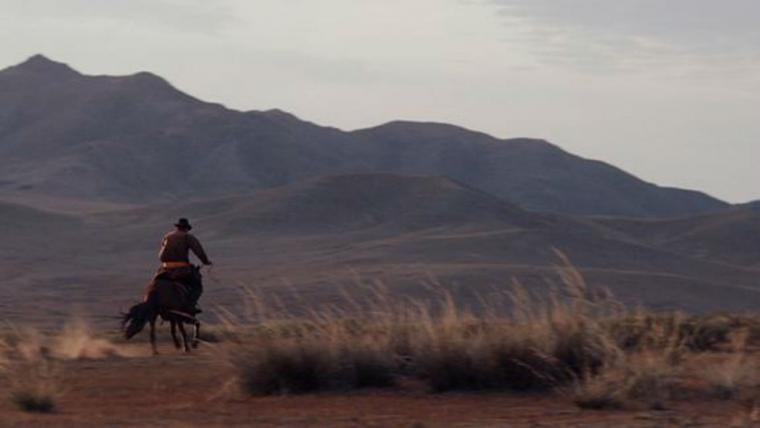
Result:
[137,139]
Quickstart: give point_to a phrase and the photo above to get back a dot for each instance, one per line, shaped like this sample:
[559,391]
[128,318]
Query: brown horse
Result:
[169,300]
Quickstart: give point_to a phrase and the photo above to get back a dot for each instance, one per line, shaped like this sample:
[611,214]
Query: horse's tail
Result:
[139,315]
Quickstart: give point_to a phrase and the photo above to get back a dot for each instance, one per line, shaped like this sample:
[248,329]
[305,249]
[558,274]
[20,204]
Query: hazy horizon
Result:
[667,92]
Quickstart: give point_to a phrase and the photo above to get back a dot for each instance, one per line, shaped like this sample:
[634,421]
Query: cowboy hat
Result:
[183,223]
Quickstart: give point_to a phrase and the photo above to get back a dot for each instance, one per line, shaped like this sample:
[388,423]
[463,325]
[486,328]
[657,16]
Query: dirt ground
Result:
[177,390]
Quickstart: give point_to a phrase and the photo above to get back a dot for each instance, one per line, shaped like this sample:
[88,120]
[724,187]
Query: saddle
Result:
[179,285]
[186,280]
[182,274]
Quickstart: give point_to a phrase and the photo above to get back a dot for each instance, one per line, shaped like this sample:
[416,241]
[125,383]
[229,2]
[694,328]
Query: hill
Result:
[313,241]
[33,231]
[754,205]
[137,139]
[729,237]
[353,202]
[532,173]
[32,244]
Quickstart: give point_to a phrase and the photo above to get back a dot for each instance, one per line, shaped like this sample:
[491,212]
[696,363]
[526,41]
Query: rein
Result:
[211,276]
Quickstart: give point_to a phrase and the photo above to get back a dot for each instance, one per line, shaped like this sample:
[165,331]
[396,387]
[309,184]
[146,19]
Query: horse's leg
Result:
[196,334]
[174,333]
[153,336]
[184,336]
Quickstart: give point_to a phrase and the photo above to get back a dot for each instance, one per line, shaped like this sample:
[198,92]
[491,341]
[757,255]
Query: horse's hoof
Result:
[195,344]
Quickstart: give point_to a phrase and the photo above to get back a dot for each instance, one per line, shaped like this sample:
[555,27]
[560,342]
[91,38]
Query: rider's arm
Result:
[162,248]
[197,249]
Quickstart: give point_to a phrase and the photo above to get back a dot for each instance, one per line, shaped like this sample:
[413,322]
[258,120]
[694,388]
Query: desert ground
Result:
[175,390]
[586,362]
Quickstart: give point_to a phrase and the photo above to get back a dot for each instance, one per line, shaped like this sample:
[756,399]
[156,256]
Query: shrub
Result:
[729,378]
[34,384]
[286,367]
[541,345]
[644,377]
[32,376]
[367,367]
[581,337]
[287,363]
[602,392]
[30,401]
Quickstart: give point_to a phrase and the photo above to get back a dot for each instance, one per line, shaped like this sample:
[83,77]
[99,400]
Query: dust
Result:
[75,341]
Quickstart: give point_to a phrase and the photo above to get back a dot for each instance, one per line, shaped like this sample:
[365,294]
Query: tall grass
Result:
[515,342]
[737,374]
[575,339]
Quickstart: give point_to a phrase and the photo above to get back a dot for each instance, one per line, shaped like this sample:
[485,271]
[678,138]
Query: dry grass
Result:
[729,378]
[648,378]
[298,365]
[578,341]
[737,374]
[654,369]
[604,391]
[35,385]
[577,336]
[33,378]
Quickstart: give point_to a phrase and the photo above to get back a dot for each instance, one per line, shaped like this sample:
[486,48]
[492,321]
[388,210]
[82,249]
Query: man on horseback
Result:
[175,261]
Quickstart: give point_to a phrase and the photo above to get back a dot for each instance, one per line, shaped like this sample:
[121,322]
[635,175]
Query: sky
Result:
[667,90]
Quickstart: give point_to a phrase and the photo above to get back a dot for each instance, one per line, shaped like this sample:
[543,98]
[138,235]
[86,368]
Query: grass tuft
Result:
[286,367]
[33,402]
[32,376]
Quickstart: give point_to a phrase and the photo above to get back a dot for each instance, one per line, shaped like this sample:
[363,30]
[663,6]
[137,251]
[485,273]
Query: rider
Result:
[175,260]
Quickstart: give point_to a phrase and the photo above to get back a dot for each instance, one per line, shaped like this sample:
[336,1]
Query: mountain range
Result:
[136,139]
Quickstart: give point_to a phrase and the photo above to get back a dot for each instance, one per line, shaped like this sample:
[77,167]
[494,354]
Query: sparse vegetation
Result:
[727,379]
[580,340]
[601,392]
[647,379]
[32,377]
[735,374]
[33,402]
[34,386]
[30,362]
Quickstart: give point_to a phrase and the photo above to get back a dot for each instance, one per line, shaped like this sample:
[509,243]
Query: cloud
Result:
[185,16]
[620,34]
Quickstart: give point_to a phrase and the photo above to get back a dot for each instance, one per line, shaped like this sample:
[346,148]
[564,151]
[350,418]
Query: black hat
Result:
[183,223]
